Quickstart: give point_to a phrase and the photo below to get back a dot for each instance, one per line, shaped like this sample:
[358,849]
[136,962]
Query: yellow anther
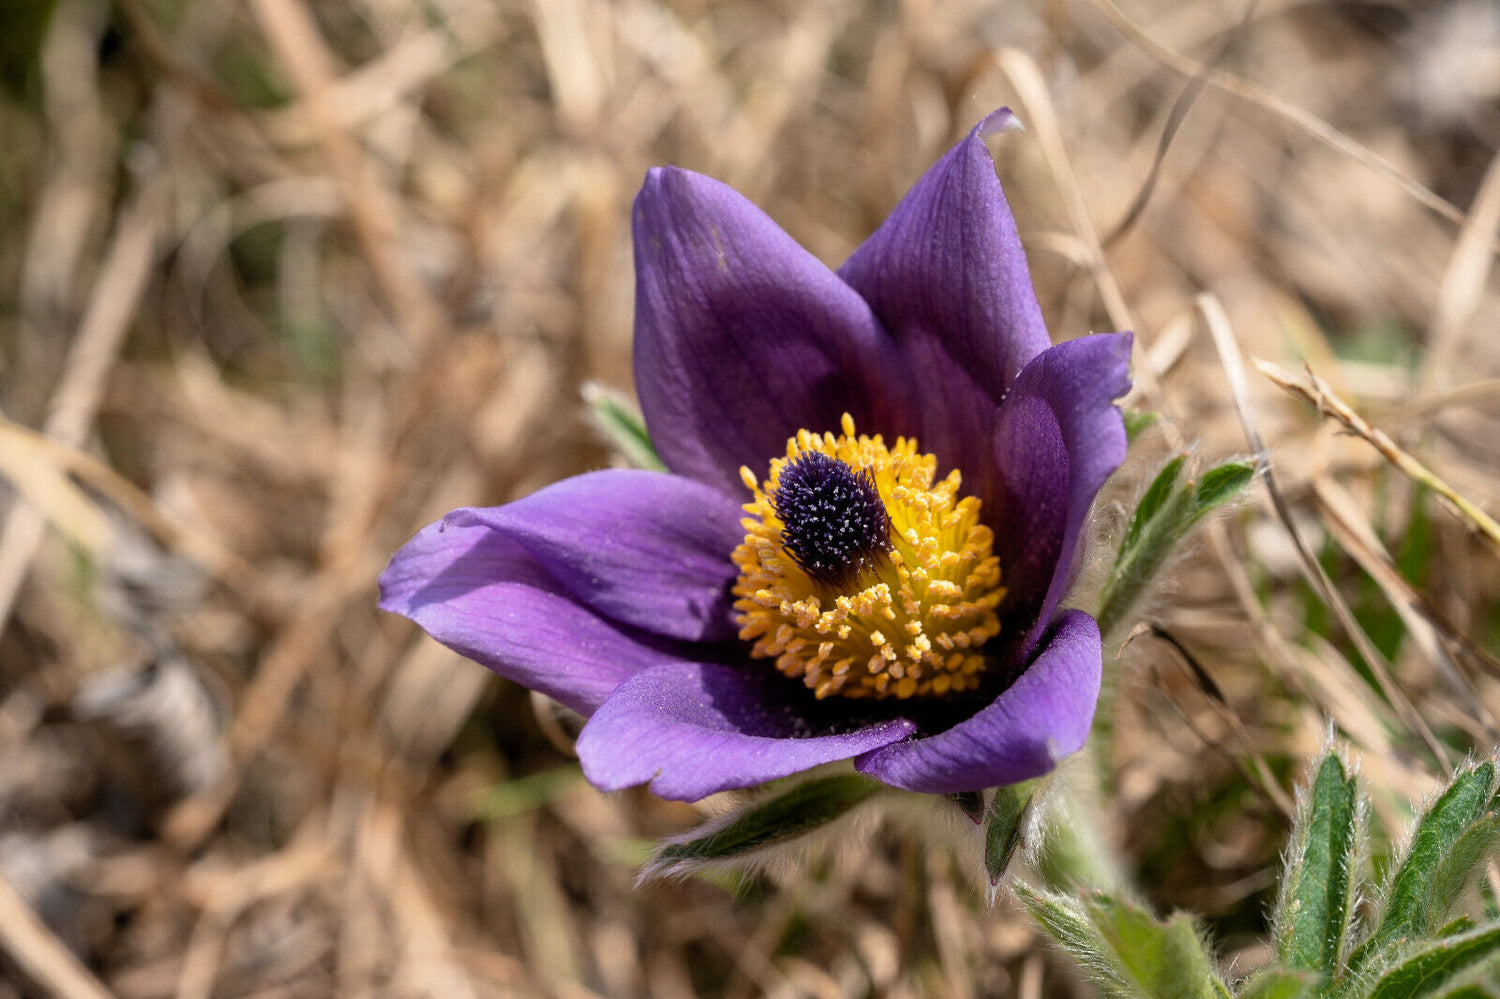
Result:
[916,618]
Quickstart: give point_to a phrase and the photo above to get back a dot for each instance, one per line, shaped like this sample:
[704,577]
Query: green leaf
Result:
[521,795]
[1479,981]
[1163,517]
[1125,951]
[1002,827]
[762,823]
[619,419]
[1278,983]
[1165,959]
[1411,912]
[1455,871]
[1138,420]
[1315,905]
[1427,970]
[1220,485]
[1150,506]
[1064,919]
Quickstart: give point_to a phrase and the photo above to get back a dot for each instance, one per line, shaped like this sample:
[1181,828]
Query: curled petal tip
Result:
[997,121]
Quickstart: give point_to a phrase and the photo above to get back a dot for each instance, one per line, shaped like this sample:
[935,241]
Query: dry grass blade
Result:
[1354,534]
[1316,391]
[282,282]
[1285,110]
[44,957]
[1229,355]
[126,269]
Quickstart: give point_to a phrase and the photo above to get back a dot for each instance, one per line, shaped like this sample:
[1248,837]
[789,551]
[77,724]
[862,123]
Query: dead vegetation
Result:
[282,281]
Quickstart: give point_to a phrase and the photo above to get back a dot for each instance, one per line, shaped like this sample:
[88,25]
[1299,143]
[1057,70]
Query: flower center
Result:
[860,575]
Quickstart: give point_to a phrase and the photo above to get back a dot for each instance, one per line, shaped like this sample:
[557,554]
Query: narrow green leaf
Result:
[1427,970]
[1124,950]
[1314,907]
[1064,919]
[620,421]
[1150,506]
[1456,869]
[1279,983]
[1163,959]
[1409,911]
[1472,992]
[1002,827]
[1138,420]
[1219,485]
[527,794]
[1165,514]
[1480,980]
[762,823]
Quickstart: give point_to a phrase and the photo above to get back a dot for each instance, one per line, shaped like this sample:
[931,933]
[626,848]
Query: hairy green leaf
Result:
[1124,950]
[1460,865]
[762,823]
[1315,904]
[1064,919]
[1220,485]
[1151,506]
[1166,512]
[1279,983]
[1410,912]
[1430,968]
[1164,959]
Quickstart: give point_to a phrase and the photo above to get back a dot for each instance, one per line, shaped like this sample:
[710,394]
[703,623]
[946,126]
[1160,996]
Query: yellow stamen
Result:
[913,621]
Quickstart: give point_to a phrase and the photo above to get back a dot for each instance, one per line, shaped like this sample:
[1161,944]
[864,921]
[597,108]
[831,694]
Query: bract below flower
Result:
[878,482]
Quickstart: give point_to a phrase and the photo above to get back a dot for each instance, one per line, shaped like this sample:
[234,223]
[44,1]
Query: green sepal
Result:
[1002,827]
[1279,983]
[1126,952]
[619,419]
[1315,906]
[1441,847]
[1433,966]
[760,824]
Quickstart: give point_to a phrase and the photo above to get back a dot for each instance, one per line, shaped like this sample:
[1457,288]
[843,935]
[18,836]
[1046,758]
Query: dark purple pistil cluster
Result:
[834,524]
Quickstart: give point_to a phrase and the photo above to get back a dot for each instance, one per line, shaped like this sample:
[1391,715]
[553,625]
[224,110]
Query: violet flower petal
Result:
[642,548]
[742,337]
[1042,717]
[482,594]
[1060,436]
[946,274]
[691,729]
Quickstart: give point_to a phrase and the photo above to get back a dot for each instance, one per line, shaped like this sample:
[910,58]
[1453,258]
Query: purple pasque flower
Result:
[712,641]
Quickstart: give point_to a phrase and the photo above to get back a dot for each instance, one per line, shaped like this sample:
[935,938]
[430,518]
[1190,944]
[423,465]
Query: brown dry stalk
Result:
[1316,391]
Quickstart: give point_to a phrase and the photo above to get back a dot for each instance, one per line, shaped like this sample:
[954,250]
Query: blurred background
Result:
[283,280]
